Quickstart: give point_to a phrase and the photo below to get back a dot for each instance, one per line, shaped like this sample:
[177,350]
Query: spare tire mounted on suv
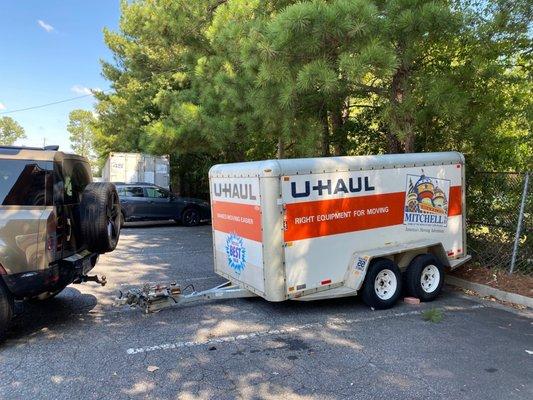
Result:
[100,216]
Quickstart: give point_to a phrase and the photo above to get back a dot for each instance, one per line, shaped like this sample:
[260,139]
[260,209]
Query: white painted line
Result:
[246,336]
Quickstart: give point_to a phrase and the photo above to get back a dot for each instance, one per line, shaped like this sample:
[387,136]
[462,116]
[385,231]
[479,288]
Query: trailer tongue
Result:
[156,297]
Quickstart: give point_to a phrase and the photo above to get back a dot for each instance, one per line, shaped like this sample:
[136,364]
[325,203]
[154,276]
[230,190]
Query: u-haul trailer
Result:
[317,228]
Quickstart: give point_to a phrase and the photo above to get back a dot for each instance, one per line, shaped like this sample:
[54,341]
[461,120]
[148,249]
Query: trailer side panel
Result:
[329,216]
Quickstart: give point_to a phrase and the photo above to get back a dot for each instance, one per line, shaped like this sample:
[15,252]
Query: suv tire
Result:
[6,309]
[100,222]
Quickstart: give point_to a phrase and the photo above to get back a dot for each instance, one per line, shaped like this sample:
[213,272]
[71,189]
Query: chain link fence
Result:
[499,220]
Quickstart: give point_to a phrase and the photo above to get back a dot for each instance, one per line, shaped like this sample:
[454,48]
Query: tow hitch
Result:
[92,278]
[155,297]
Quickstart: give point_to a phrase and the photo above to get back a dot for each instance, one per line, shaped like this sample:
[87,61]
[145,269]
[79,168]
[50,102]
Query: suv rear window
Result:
[76,176]
[26,183]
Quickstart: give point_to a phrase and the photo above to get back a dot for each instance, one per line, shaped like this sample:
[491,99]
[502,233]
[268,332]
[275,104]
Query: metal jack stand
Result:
[152,298]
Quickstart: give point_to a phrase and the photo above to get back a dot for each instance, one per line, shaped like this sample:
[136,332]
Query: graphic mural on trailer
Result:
[426,200]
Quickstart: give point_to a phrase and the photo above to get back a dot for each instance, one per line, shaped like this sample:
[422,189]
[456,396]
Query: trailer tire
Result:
[383,284]
[100,212]
[424,277]
[6,309]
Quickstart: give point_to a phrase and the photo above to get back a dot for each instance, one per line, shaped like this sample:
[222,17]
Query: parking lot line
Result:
[272,332]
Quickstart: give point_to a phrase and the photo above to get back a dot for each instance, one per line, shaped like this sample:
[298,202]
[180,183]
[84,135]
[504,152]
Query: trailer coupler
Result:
[92,278]
[156,297]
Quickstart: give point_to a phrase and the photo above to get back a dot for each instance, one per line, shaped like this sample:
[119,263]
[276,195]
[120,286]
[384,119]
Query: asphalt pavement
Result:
[80,346]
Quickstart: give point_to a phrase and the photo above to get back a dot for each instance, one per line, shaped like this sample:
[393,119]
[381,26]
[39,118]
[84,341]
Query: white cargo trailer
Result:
[137,167]
[316,228]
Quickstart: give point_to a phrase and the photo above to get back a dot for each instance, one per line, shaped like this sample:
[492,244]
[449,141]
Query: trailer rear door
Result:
[237,231]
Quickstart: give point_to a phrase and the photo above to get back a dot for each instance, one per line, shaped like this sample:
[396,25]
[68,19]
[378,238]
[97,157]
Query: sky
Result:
[50,50]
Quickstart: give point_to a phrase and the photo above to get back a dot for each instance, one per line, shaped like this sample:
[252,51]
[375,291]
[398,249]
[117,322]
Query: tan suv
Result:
[54,222]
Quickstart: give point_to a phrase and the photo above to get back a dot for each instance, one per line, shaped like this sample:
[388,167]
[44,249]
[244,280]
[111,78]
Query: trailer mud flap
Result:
[356,271]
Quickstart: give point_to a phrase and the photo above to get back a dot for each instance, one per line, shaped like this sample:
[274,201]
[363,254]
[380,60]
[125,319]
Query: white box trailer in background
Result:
[319,228]
[137,167]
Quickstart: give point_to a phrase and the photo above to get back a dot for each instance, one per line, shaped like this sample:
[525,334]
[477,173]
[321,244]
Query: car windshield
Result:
[25,183]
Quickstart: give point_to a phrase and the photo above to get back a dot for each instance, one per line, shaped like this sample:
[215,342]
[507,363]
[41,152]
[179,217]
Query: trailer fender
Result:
[401,254]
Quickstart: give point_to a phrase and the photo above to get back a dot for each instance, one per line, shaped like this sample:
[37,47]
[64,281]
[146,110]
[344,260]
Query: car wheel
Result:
[383,284]
[424,277]
[6,309]
[190,217]
[101,214]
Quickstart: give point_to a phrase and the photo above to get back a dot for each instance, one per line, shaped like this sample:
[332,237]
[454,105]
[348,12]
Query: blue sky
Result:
[50,50]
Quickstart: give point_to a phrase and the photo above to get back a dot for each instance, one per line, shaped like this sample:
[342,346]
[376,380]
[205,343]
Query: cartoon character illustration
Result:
[425,195]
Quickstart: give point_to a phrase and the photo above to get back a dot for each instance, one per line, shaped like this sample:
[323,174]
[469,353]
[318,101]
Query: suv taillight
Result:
[51,235]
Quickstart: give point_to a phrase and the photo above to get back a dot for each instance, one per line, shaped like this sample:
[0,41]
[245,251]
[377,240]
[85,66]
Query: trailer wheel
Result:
[424,277]
[6,309]
[383,284]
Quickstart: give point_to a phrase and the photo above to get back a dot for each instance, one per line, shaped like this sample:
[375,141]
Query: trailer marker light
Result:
[326,282]
[450,253]
[286,178]
[291,289]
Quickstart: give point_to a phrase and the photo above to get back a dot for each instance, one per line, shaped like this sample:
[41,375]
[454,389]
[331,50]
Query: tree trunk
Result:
[280,153]
[325,132]
[409,139]
[338,118]
[401,126]
[393,144]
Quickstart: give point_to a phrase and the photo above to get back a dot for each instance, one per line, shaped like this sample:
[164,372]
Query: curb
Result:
[485,290]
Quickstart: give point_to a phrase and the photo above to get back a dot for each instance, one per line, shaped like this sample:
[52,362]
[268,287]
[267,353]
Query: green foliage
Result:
[10,131]
[233,80]
[432,315]
[81,126]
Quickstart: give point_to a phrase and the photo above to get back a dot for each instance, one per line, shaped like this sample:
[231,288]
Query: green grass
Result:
[432,315]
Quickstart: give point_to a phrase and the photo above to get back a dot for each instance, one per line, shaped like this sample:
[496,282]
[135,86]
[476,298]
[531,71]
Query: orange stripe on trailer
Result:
[311,219]
[242,219]
[389,211]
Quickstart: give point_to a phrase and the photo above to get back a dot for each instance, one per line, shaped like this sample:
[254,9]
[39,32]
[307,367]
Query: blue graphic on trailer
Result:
[236,252]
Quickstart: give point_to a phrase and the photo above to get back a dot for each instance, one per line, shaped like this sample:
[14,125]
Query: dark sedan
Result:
[147,202]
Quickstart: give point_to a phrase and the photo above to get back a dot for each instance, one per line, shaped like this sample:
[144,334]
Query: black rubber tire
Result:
[190,217]
[100,217]
[6,309]
[413,275]
[369,294]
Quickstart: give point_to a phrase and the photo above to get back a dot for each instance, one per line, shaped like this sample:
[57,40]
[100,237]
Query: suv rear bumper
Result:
[55,277]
